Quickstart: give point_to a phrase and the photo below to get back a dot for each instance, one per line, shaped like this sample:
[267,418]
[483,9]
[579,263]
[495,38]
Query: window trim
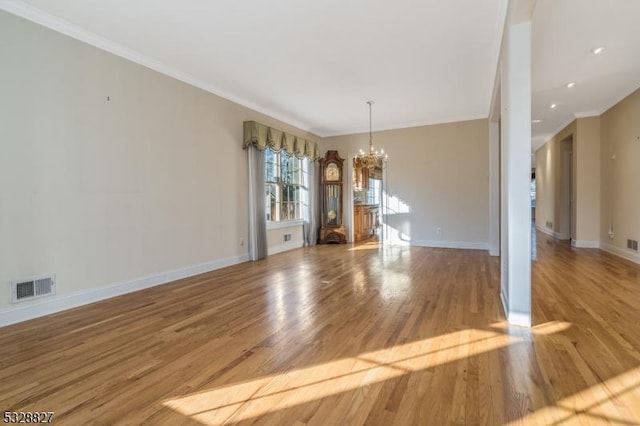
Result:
[272,224]
[303,187]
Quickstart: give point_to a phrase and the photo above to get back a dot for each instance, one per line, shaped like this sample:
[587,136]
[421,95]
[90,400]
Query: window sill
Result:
[284,224]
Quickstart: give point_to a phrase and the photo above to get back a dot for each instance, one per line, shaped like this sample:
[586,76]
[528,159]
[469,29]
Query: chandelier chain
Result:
[371,159]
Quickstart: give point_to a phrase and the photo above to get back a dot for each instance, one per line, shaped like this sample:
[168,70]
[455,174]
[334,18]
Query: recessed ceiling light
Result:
[553,106]
[570,85]
[597,50]
[536,121]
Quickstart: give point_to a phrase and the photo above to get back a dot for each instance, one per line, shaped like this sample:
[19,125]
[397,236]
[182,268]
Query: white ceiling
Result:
[564,33]
[315,64]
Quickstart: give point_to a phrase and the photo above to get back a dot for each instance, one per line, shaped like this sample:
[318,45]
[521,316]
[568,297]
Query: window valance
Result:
[264,137]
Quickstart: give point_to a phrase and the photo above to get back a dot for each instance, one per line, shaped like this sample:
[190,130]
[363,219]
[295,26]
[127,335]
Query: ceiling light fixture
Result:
[536,121]
[373,158]
[553,106]
[597,50]
[570,85]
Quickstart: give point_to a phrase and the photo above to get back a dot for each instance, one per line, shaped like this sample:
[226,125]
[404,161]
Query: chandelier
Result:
[373,158]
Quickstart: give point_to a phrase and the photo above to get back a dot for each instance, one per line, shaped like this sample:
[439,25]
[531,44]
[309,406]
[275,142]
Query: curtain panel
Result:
[257,138]
[310,228]
[263,137]
[257,207]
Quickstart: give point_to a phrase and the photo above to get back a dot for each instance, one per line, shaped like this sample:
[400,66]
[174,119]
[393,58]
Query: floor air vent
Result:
[33,288]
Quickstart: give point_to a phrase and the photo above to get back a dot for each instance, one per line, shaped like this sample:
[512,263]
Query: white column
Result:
[516,172]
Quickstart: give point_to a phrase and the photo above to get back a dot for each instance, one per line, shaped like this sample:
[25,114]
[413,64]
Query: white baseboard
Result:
[560,236]
[519,318]
[552,233]
[585,244]
[450,244]
[515,318]
[285,247]
[624,253]
[64,302]
[505,307]
[545,231]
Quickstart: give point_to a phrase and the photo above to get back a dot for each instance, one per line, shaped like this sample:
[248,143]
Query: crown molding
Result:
[561,128]
[617,100]
[585,114]
[40,17]
[405,125]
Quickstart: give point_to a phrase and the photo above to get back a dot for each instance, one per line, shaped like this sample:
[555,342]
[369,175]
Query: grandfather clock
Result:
[331,179]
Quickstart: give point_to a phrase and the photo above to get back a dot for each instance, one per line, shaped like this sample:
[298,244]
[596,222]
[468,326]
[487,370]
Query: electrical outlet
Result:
[286,237]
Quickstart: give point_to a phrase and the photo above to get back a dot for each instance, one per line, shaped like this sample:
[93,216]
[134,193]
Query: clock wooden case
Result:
[331,188]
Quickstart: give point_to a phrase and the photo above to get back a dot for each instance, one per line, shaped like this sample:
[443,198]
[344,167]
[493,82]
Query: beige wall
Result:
[438,177]
[104,191]
[549,184]
[275,239]
[582,138]
[545,191]
[587,181]
[620,159]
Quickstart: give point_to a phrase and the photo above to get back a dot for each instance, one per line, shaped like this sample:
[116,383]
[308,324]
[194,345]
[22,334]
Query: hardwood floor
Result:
[336,335]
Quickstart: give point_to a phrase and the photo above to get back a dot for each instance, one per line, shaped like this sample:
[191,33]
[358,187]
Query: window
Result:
[286,186]
[373,195]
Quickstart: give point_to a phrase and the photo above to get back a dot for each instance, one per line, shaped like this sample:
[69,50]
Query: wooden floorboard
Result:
[342,334]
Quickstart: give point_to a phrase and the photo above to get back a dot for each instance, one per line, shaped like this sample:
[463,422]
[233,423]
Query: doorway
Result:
[367,196]
[567,221]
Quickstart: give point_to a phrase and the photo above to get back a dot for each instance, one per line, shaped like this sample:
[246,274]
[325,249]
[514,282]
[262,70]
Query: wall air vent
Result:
[33,288]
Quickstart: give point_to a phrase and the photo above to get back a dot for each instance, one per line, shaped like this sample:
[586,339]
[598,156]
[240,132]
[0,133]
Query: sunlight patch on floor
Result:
[257,397]
[373,245]
[551,327]
[547,328]
[594,405]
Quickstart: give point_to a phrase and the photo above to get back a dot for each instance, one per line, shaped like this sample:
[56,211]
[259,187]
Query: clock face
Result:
[332,214]
[332,173]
